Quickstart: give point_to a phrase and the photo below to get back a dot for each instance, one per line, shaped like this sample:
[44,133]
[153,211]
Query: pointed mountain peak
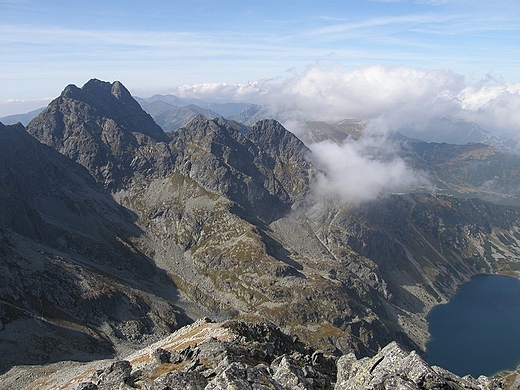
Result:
[200,128]
[100,88]
[269,128]
[198,119]
[113,101]
[107,92]
[119,91]
[72,91]
[102,127]
[95,86]
[270,135]
[95,90]
[218,125]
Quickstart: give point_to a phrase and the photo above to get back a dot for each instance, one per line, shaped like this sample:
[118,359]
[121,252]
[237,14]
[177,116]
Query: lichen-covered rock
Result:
[290,375]
[261,357]
[394,368]
[117,373]
[232,376]
[178,380]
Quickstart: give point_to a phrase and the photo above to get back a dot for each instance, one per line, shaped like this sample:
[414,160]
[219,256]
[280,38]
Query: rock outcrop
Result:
[245,356]
[394,368]
[104,129]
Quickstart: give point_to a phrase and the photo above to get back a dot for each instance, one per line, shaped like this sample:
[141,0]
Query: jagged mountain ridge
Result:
[222,209]
[170,118]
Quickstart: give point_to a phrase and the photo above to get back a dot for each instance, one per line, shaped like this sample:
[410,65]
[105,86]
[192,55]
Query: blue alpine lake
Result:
[478,331]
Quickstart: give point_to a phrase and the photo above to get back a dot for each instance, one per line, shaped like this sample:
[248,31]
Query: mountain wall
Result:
[72,285]
[219,219]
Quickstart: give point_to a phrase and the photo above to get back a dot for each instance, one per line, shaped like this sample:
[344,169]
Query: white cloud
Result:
[370,92]
[251,92]
[334,94]
[360,171]
[494,107]
[393,96]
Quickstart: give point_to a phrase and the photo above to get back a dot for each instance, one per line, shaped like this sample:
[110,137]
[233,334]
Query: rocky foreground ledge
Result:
[242,355]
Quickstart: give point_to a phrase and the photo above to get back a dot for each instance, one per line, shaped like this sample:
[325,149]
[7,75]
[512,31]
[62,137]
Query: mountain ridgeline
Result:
[145,231]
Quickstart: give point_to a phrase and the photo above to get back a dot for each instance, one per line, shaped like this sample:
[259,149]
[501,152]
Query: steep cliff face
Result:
[72,286]
[216,154]
[104,129]
[223,212]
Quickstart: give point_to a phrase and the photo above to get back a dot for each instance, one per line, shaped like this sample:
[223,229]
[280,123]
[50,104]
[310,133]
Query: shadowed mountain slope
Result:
[73,286]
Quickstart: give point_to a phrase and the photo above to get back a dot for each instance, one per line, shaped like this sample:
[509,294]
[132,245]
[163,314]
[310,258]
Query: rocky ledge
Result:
[243,355]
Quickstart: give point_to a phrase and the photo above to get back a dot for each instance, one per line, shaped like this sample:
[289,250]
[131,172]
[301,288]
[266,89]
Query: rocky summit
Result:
[245,356]
[114,234]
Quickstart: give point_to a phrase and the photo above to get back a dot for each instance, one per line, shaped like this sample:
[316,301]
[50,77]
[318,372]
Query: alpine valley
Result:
[118,238]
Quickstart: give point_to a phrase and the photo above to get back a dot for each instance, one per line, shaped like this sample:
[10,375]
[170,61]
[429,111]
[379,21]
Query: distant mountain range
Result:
[24,119]
[456,131]
[114,233]
[171,112]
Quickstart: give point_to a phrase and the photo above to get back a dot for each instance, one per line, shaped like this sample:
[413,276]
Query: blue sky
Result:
[157,45]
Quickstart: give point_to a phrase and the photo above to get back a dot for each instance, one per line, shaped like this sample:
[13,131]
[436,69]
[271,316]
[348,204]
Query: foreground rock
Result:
[394,368]
[243,355]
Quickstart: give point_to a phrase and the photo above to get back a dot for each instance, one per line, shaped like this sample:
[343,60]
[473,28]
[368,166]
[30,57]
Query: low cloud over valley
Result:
[386,98]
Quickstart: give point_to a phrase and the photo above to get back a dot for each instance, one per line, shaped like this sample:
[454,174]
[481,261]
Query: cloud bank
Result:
[360,171]
[394,96]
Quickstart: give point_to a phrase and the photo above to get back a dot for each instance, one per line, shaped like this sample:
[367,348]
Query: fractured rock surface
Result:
[244,356]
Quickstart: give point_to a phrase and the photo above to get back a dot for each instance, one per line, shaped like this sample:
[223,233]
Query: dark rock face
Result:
[68,268]
[287,158]
[261,176]
[104,129]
